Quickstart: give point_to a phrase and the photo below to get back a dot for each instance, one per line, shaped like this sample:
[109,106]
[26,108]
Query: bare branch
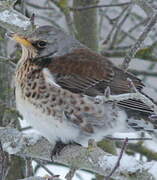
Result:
[12,20]
[70,174]
[119,158]
[44,167]
[40,178]
[145,5]
[139,42]
[79,157]
[99,6]
[3,163]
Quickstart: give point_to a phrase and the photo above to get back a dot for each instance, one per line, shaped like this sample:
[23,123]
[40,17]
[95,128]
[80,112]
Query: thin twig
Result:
[119,26]
[99,6]
[29,168]
[39,7]
[129,139]
[8,61]
[119,159]
[145,5]
[3,164]
[115,25]
[128,34]
[32,19]
[44,167]
[139,42]
[144,73]
[70,174]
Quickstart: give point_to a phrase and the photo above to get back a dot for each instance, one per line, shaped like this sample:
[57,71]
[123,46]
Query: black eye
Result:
[41,44]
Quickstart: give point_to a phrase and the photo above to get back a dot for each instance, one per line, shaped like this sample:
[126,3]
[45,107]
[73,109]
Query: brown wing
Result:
[83,71]
[86,72]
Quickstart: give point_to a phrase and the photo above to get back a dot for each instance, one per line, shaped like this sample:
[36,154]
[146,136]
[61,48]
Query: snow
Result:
[62,171]
[10,16]
[127,163]
[151,145]
[152,168]
[11,148]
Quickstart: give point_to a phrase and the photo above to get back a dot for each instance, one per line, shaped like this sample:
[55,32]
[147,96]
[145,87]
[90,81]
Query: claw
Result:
[57,149]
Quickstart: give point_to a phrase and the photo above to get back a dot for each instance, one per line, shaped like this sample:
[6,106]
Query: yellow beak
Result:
[21,40]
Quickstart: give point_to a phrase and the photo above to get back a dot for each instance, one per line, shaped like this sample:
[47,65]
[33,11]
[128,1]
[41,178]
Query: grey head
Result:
[49,39]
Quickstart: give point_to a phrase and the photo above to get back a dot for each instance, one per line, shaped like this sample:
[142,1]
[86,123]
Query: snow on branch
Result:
[95,159]
[40,178]
[133,50]
[12,20]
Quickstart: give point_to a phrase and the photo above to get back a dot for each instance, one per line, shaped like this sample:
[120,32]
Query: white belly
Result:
[51,128]
[60,129]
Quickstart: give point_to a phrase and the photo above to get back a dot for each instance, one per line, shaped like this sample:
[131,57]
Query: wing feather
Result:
[83,71]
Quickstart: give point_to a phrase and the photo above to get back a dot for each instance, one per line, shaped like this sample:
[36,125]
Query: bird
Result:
[56,82]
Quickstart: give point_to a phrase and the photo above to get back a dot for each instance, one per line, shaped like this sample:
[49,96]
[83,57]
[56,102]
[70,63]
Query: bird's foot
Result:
[58,148]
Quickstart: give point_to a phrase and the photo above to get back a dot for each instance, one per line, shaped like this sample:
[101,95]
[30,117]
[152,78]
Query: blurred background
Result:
[108,27]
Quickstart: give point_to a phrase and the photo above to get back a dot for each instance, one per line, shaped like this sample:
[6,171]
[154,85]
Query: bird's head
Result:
[43,41]
[46,41]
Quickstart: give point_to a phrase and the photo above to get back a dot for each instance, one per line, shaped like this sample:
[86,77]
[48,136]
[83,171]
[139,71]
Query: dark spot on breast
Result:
[78,108]
[44,101]
[38,96]
[88,128]
[64,93]
[42,87]
[82,102]
[33,95]
[27,94]
[53,98]
[48,111]
[34,85]
[29,83]
[78,120]
[60,102]
[86,108]
[46,95]
[54,113]
[37,76]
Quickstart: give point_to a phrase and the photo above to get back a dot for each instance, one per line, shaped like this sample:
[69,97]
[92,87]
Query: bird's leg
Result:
[59,147]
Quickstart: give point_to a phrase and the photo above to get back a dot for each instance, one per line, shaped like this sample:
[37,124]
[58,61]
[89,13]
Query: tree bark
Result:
[86,23]
[8,117]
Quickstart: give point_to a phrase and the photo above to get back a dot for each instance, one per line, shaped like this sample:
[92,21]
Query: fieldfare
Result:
[57,80]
